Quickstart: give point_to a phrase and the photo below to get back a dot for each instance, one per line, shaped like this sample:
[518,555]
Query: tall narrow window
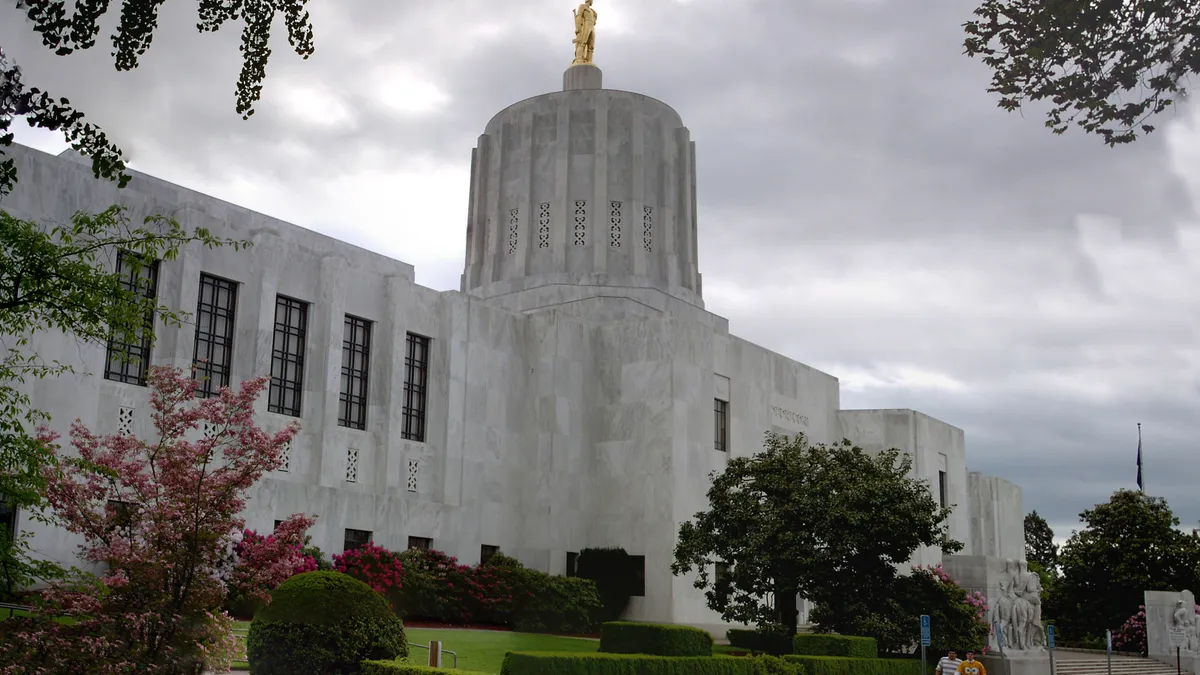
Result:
[942,488]
[353,539]
[128,355]
[486,552]
[721,572]
[721,425]
[356,357]
[572,562]
[287,356]
[8,521]
[639,575]
[416,380]
[215,310]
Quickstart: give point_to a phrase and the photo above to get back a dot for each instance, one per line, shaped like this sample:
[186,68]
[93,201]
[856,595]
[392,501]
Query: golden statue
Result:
[585,33]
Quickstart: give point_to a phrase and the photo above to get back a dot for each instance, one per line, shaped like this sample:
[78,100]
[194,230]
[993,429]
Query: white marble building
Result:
[574,393]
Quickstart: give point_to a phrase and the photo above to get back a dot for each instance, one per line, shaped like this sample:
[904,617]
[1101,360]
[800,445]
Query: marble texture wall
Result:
[997,516]
[564,410]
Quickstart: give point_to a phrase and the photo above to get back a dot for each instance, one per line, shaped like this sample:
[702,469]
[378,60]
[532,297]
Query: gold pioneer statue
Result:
[585,33]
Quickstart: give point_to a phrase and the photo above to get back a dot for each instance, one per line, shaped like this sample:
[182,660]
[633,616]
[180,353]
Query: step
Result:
[1122,667]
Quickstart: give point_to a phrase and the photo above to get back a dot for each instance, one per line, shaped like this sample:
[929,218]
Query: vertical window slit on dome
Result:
[648,228]
[614,229]
[514,219]
[544,225]
[580,222]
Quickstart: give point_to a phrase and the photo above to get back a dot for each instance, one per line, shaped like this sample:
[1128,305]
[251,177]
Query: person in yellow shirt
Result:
[970,666]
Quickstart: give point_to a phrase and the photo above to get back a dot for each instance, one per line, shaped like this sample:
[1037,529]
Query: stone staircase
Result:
[1098,665]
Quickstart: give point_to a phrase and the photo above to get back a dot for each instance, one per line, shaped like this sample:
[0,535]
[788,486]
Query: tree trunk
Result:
[786,611]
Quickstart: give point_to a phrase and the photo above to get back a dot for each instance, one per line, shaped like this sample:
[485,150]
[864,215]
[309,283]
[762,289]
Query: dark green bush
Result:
[558,605]
[823,644]
[323,622]
[615,575]
[773,640]
[549,663]
[765,664]
[622,637]
[397,668]
[838,665]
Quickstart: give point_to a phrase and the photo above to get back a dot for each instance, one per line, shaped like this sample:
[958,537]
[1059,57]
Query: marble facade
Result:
[1170,612]
[573,385]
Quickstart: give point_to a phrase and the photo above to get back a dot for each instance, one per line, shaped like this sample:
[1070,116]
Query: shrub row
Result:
[518,663]
[397,668]
[433,586]
[765,641]
[822,644]
[622,637]
[549,663]
[838,665]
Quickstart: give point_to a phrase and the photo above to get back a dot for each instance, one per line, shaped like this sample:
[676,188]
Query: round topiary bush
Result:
[323,622]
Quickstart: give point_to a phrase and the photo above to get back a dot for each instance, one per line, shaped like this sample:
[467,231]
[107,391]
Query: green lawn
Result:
[480,650]
[483,650]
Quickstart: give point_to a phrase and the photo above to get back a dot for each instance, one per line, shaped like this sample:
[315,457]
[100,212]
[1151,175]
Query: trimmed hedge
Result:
[624,637]
[839,665]
[397,668]
[823,644]
[323,622]
[550,663]
[766,641]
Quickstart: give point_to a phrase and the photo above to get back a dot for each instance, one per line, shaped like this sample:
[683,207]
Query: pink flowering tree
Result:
[1131,637]
[160,521]
[959,617]
[259,563]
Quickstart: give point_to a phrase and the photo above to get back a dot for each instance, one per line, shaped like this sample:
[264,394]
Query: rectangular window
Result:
[639,571]
[721,425]
[121,516]
[416,380]
[572,562]
[277,524]
[287,356]
[128,355]
[215,311]
[421,543]
[8,521]
[942,488]
[356,357]
[721,572]
[486,552]
[355,539]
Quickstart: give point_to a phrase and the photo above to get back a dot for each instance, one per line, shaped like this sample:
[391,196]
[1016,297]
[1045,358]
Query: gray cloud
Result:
[865,207]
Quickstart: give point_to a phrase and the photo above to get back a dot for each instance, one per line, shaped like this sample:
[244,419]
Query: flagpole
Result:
[1141,478]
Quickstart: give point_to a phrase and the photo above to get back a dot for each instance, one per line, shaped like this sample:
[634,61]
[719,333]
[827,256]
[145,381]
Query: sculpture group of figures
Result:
[1187,621]
[1017,610]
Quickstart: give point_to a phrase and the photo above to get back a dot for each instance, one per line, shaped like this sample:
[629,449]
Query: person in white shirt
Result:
[949,663]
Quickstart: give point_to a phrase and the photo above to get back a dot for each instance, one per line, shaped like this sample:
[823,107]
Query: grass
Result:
[480,650]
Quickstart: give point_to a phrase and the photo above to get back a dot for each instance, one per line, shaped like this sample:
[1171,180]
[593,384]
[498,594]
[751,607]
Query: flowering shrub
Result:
[162,518]
[374,565]
[1131,637]
[258,561]
[959,617]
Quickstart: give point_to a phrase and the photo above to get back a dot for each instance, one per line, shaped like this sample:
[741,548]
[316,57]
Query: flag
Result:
[1139,460]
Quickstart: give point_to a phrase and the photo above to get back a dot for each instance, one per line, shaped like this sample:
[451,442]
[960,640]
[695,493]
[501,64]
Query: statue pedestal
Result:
[1031,662]
[583,76]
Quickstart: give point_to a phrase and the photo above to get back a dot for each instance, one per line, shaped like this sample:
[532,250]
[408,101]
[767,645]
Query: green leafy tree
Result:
[1106,66]
[822,522]
[1039,542]
[66,32]
[64,279]
[1127,546]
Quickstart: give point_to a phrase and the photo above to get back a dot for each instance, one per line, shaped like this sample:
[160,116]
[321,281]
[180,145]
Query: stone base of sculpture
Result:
[582,76]
[1035,662]
[1167,612]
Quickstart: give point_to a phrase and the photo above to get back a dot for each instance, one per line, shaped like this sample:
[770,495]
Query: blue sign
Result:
[1050,636]
[925,641]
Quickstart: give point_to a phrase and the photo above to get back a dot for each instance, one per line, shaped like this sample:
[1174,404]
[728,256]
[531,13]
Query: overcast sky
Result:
[864,206]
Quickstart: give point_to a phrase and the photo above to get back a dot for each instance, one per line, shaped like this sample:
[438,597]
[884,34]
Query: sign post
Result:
[1050,645]
[1178,637]
[1108,640]
[925,638]
[435,654]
